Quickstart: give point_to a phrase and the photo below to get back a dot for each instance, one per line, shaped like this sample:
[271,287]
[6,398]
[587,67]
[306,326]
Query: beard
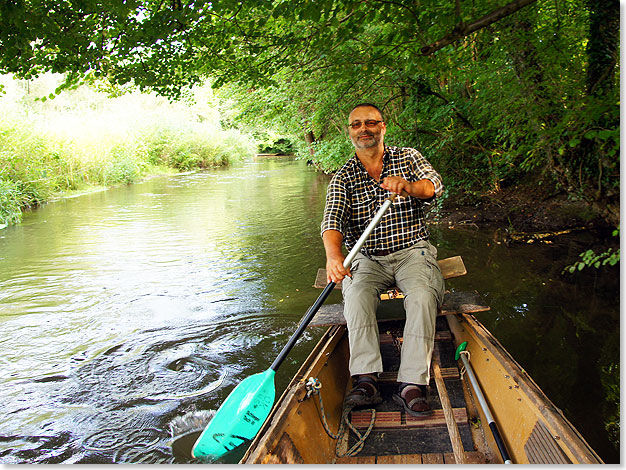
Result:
[367,143]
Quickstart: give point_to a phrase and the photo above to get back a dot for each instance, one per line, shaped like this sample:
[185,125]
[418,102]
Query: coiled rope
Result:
[463,370]
[313,387]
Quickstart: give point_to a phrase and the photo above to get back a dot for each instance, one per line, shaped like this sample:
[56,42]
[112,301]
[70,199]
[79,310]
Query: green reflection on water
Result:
[562,329]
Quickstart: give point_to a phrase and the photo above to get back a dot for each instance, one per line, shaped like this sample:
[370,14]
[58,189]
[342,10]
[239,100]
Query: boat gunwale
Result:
[577,448]
[571,441]
[259,449]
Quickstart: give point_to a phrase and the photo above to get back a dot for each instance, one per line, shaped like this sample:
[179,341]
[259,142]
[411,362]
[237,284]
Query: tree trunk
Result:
[603,46]
[603,55]
[309,138]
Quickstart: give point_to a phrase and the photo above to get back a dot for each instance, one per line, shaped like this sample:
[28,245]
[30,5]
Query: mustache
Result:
[369,133]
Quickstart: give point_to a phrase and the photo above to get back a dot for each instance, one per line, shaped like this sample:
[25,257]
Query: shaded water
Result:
[124,309]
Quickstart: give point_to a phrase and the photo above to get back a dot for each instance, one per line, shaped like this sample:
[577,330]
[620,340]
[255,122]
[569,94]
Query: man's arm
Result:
[335,271]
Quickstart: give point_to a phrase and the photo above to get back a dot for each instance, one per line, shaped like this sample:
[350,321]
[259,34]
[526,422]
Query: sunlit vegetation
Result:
[495,94]
[83,139]
[532,100]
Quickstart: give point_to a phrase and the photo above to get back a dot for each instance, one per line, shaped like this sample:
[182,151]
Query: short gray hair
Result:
[369,105]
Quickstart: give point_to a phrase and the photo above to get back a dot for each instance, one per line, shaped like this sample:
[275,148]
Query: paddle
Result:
[244,411]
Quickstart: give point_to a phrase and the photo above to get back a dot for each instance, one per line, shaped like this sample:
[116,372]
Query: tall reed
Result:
[84,139]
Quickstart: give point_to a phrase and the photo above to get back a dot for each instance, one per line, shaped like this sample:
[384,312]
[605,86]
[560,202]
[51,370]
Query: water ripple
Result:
[125,309]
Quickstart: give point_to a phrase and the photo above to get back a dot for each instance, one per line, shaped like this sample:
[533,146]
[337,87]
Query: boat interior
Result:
[310,425]
[396,436]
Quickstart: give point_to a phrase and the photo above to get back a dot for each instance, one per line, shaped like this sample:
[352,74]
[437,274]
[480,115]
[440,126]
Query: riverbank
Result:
[520,216]
[519,209]
[37,167]
[151,172]
[17,197]
[86,139]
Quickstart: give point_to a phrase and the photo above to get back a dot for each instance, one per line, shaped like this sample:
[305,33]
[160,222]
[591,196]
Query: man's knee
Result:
[360,305]
[423,301]
[422,295]
[359,291]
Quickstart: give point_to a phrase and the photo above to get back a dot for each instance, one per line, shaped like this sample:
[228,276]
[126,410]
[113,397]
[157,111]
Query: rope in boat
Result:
[313,387]
[463,370]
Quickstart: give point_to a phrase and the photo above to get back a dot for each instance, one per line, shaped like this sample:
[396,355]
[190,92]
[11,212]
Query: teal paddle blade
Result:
[240,417]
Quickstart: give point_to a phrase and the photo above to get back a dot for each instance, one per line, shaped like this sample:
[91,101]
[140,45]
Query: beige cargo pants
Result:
[416,273]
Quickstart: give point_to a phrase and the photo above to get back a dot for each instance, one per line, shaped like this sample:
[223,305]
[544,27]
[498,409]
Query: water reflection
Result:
[124,309]
[563,329]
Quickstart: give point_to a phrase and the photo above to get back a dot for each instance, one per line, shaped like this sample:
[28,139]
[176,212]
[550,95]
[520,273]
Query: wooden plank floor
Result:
[412,459]
[400,438]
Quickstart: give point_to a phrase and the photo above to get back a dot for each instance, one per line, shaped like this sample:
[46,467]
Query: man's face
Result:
[365,137]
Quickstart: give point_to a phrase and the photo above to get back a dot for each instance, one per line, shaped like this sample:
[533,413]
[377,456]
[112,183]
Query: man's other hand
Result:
[397,185]
[335,271]
[422,189]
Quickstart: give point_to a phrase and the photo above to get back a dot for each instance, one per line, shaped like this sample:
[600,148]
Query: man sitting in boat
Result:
[397,253]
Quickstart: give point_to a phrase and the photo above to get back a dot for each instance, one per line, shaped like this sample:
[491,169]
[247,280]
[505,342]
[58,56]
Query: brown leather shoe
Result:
[365,392]
[414,400]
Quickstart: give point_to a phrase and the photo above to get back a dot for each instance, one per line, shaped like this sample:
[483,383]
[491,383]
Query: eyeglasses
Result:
[369,123]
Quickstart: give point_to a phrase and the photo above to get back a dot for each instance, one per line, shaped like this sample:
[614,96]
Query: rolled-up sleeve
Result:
[336,211]
[425,171]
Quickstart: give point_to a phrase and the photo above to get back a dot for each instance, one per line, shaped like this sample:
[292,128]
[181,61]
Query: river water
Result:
[124,309]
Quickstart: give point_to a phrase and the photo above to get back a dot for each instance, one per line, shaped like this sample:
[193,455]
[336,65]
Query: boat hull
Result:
[294,433]
[533,429]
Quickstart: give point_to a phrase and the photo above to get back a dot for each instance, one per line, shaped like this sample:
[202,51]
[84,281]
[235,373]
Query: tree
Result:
[492,93]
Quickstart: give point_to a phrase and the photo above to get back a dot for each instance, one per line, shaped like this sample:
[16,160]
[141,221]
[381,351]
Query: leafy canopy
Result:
[492,94]
[166,46]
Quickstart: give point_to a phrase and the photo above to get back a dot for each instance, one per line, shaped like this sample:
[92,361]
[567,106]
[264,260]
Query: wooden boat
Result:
[532,428]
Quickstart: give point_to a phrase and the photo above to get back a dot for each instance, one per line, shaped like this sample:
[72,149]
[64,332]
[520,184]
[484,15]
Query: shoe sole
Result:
[400,401]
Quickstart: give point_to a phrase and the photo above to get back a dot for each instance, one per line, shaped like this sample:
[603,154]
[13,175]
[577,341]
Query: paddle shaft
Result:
[331,285]
[247,407]
[485,407]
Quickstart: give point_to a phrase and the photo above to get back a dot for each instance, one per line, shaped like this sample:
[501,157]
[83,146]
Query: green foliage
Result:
[28,161]
[610,376]
[124,165]
[533,96]
[10,203]
[83,140]
[331,154]
[488,111]
[280,145]
[191,147]
[592,259]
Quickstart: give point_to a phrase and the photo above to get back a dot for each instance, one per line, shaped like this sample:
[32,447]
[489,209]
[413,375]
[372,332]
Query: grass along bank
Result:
[84,139]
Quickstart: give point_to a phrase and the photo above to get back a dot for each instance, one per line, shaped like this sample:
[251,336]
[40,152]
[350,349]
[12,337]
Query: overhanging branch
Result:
[462,29]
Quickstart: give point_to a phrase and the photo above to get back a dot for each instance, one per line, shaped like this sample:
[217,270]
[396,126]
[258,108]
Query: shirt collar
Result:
[386,163]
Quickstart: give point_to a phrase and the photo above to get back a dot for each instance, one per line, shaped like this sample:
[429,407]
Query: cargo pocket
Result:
[437,282]
[347,281]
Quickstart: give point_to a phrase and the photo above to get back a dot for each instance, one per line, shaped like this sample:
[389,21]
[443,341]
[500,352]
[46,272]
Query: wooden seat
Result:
[450,267]
[453,302]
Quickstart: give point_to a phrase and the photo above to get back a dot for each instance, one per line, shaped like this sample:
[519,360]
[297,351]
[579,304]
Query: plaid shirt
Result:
[353,197]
